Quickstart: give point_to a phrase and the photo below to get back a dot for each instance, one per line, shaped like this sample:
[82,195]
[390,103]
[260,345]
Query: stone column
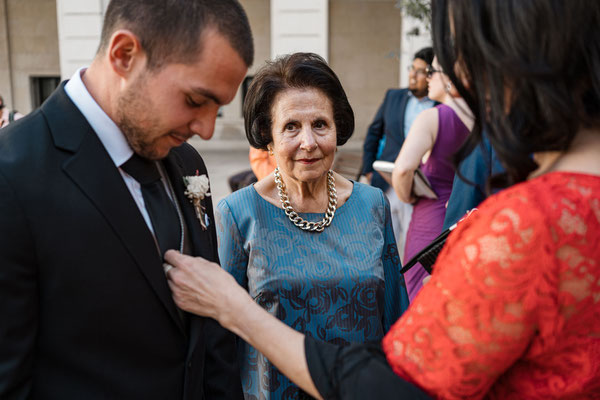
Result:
[79,29]
[411,44]
[6,85]
[300,26]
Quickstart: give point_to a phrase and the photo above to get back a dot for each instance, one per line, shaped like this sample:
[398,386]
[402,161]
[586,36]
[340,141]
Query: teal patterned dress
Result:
[342,285]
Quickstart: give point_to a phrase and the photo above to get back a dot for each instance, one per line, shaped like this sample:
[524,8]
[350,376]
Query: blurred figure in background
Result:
[262,162]
[388,130]
[8,115]
[434,137]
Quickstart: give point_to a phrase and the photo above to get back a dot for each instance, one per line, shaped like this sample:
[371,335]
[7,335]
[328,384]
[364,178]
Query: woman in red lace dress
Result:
[512,310]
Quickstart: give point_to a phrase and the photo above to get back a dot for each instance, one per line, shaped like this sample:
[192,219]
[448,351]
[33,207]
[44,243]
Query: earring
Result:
[448,87]
[270,151]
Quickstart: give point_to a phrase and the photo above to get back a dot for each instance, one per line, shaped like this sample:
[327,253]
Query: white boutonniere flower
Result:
[197,187]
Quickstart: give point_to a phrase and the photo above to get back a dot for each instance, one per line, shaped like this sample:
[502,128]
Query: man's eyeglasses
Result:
[430,71]
[417,71]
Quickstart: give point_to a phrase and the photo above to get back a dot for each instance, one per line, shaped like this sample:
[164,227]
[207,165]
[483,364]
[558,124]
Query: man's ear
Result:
[125,53]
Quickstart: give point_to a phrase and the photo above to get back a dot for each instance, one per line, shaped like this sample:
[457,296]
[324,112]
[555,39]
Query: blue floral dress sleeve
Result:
[232,255]
[396,295]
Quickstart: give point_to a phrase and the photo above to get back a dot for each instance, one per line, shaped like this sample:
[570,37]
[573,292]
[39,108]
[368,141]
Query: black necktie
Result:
[161,209]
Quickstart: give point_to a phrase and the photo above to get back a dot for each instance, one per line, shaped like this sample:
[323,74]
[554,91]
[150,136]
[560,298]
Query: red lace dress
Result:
[512,310]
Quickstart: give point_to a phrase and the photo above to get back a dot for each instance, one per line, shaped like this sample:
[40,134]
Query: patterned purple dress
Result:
[428,215]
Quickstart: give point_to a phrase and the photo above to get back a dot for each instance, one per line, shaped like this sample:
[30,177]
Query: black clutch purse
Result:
[429,254]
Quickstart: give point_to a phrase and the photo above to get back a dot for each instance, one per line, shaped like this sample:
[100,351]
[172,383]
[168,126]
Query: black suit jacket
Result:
[85,307]
[388,122]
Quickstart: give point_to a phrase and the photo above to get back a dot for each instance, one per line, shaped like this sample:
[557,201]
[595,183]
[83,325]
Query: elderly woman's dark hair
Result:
[533,69]
[293,71]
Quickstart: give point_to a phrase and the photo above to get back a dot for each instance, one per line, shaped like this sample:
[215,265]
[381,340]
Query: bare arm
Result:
[420,140]
[203,288]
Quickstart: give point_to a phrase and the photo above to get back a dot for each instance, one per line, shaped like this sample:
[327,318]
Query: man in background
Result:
[388,130]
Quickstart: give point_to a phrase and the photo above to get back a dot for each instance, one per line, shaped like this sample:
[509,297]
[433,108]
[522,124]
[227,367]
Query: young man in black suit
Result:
[91,196]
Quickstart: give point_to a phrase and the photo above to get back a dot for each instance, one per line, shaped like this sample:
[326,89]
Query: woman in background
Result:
[433,138]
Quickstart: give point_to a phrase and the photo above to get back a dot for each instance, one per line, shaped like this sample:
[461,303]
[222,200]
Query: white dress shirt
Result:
[413,108]
[109,134]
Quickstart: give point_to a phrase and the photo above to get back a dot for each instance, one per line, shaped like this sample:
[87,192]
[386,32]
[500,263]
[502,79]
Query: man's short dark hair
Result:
[425,54]
[293,71]
[170,30]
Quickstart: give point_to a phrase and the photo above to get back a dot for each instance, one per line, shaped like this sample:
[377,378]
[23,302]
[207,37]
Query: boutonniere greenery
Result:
[197,187]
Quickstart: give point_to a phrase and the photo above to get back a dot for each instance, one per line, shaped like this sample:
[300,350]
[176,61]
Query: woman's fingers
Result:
[204,288]
[197,284]
[178,260]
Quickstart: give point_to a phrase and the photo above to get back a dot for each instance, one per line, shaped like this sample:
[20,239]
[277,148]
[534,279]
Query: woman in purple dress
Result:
[434,137]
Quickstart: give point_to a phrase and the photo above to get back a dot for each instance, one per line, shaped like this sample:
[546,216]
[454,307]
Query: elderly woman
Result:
[314,249]
[511,310]
[434,137]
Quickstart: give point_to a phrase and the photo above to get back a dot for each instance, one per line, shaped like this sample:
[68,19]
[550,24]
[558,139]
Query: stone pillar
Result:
[6,88]
[365,40]
[300,26]
[79,29]
[31,48]
[411,44]
[229,127]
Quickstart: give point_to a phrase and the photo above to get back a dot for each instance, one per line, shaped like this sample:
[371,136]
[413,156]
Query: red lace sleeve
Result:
[481,308]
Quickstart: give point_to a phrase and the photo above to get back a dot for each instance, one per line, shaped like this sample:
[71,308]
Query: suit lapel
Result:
[92,170]
[201,240]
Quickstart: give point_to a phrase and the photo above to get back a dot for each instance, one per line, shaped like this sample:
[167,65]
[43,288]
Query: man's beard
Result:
[138,122]
[419,93]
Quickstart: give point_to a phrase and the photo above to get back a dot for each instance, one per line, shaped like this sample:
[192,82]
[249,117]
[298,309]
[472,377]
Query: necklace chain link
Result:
[293,215]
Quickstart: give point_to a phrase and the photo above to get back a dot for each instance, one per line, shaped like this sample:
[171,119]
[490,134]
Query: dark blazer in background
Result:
[388,122]
[85,307]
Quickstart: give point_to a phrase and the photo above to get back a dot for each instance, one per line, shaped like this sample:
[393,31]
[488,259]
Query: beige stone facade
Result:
[28,49]
[364,44]
[364,41]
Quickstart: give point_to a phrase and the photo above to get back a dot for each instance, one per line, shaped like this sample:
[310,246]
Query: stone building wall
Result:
[364,42]
[28,48]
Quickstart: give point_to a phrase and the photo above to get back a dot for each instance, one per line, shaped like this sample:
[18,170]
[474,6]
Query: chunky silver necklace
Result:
[293,215]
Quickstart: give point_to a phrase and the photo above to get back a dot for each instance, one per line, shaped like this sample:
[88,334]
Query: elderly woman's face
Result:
[304,134]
